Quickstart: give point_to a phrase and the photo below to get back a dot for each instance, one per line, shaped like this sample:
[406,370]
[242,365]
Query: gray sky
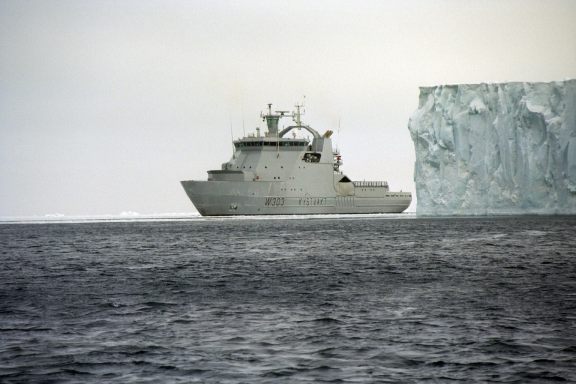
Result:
[106,105]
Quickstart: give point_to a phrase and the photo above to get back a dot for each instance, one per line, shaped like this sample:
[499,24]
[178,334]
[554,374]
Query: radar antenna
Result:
[297,115]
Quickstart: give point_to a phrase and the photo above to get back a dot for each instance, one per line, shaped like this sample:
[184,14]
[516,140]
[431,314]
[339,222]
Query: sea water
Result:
[342,300]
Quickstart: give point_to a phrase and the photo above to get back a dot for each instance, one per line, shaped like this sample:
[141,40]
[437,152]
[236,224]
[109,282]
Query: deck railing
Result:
[371,184]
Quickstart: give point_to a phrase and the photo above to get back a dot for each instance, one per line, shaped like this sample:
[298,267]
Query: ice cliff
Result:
[506,148]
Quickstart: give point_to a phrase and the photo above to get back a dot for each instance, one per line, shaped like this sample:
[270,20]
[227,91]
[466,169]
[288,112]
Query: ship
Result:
[274,173]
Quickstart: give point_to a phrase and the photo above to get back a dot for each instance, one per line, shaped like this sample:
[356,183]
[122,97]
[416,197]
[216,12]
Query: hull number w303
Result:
[275,201]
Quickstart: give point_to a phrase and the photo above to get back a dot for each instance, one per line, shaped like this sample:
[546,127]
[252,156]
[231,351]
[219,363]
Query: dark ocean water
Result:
[339,300]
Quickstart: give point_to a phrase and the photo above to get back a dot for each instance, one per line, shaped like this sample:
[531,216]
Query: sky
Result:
[106,105]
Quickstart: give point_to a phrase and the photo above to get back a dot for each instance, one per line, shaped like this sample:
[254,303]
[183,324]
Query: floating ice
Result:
[505,148]
[127,216]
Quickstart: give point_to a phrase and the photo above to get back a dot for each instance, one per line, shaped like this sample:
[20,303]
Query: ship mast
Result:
[297,116]
[272,120]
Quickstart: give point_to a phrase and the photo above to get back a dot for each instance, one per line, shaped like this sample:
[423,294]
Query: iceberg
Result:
[490,149]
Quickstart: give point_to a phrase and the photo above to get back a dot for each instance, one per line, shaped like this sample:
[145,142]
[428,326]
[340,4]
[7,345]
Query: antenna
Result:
[243,130]
[232,137]
[339,129]
[297,115]
[277,144]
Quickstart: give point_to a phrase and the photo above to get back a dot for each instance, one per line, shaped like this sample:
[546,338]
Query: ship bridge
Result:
[258,143]
[255,149]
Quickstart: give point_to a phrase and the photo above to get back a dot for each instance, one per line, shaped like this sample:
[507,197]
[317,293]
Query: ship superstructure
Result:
[275,174]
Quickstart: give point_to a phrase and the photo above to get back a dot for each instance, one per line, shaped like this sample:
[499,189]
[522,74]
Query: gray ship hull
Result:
[229,198]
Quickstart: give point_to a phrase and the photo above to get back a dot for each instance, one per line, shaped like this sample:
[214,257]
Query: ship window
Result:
[345,179]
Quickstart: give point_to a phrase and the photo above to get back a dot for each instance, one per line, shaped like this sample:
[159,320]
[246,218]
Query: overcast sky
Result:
[106,105]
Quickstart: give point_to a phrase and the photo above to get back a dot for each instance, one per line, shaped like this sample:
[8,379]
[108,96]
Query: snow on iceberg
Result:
[506,148]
